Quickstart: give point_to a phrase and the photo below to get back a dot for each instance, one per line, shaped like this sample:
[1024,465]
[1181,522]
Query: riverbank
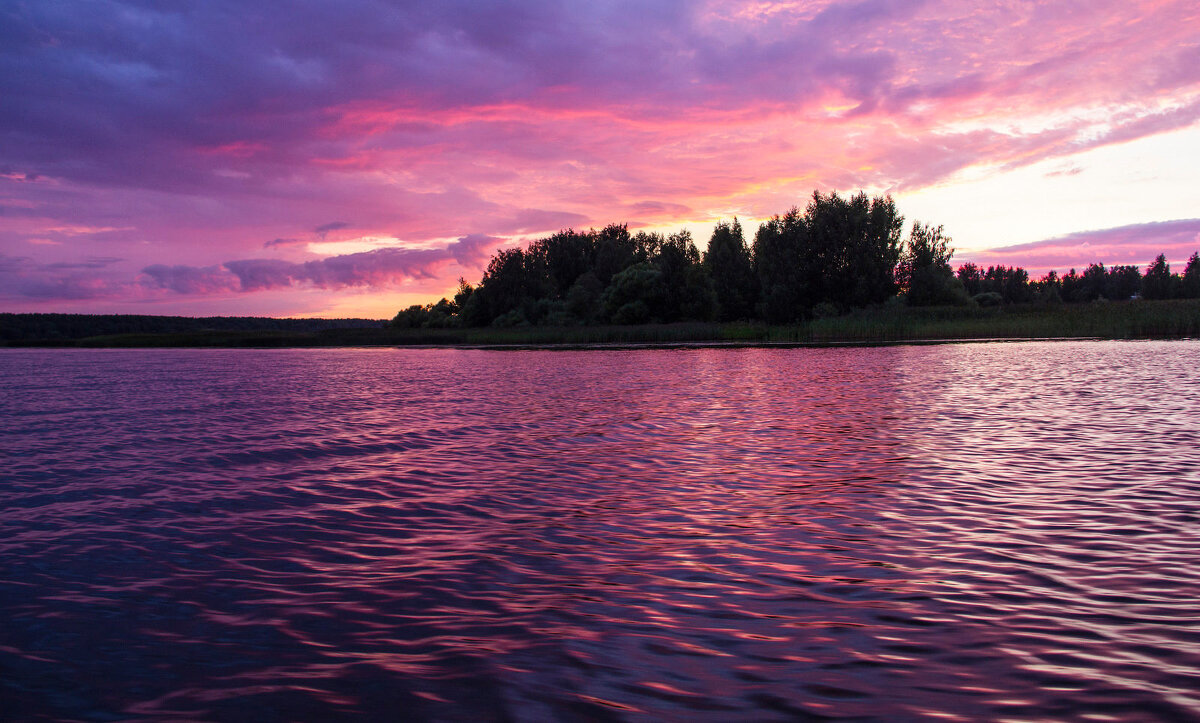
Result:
[1139,319]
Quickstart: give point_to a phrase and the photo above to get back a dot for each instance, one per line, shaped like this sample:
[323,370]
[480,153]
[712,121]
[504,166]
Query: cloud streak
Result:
[377,268]
[1136,244]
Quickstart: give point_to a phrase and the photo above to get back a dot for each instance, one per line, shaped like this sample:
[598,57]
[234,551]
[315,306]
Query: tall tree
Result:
[971,277]
[731,269]
[1157,282]
[924,272]
[783,286]
[1190,288]
[1123,282]
[687,289]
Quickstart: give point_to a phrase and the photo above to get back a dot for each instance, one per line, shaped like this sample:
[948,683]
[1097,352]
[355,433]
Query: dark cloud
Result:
[324,229]
[282,242]
[91,262]
[23,278]
[13,264]
[189,279]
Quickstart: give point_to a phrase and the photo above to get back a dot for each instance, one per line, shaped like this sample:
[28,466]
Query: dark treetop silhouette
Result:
[839,253]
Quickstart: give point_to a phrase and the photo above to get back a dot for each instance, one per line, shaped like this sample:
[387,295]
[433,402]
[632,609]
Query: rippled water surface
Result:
[957,532]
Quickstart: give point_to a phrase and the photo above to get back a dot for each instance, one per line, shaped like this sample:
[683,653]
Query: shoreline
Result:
[887,325]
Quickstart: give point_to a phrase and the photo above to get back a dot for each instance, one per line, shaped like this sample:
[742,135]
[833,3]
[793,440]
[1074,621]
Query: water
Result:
[956,532]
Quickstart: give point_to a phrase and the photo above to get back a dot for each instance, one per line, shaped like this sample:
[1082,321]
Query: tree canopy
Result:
[836,254]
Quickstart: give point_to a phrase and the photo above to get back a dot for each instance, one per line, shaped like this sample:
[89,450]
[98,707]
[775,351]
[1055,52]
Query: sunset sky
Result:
[349,158]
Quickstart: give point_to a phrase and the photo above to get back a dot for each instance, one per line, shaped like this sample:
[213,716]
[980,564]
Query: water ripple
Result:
[959,532]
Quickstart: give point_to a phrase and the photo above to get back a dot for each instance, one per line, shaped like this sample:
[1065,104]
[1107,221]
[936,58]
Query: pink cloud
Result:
[378,268]
[22,278]
[1136,244]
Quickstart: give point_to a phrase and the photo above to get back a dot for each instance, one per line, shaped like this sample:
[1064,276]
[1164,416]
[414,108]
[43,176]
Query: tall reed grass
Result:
[889,324]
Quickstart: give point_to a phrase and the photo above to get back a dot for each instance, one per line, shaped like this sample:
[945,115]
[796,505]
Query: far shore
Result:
[1134,319]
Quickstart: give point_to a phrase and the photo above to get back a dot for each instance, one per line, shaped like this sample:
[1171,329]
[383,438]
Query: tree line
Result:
[51,327]
[839,253]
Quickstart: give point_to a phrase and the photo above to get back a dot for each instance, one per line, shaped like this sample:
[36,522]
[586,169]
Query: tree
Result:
[731,268]
[567,256]
[1190,288]
[924,272]
[1072,286]
[783,288]
[675,258]
[583,298]
[1011,283]
[634,295]
[1049,289]
[853,245]
[462,295]
[615,251]
[1157,282]
[436,316]
[971,277]
[1123,282]
[1092,283]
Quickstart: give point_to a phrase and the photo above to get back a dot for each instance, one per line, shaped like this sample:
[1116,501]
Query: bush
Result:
[509,319]
[825,310]
[988,298]
[635,312]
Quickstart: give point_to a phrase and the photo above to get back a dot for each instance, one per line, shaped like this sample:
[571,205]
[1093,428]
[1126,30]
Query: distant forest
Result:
[838,254]
[52,327]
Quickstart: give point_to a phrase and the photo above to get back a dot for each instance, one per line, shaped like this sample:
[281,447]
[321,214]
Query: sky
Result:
[349,158]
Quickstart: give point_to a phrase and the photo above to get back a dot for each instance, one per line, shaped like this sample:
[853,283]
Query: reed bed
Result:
[1173,319]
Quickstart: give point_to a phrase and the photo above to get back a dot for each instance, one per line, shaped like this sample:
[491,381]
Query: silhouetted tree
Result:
[1092,283]
[783,290]
[462,295]
[429,316]
[924,272]
[616,250]
[1049,289]
[971,277]
[686,290]
[566,255]
[1158,281]
[1123,282]
[731,269]
[1072,286]
[1011,283]
[583,298]
[633,294]
[1190,286]
[836,254]
[853,246]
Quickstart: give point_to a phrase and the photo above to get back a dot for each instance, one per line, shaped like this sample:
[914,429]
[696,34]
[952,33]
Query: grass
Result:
[1172,319]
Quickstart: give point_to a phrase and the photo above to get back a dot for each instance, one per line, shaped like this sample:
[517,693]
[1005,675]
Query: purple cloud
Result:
[189,279]
[1136,244]
[380,268]
[282,242]
[23,278]
[325,228]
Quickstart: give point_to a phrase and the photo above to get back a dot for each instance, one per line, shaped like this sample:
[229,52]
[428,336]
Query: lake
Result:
[951,532]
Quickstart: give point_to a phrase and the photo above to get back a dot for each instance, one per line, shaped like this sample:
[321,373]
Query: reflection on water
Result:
[963,532]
